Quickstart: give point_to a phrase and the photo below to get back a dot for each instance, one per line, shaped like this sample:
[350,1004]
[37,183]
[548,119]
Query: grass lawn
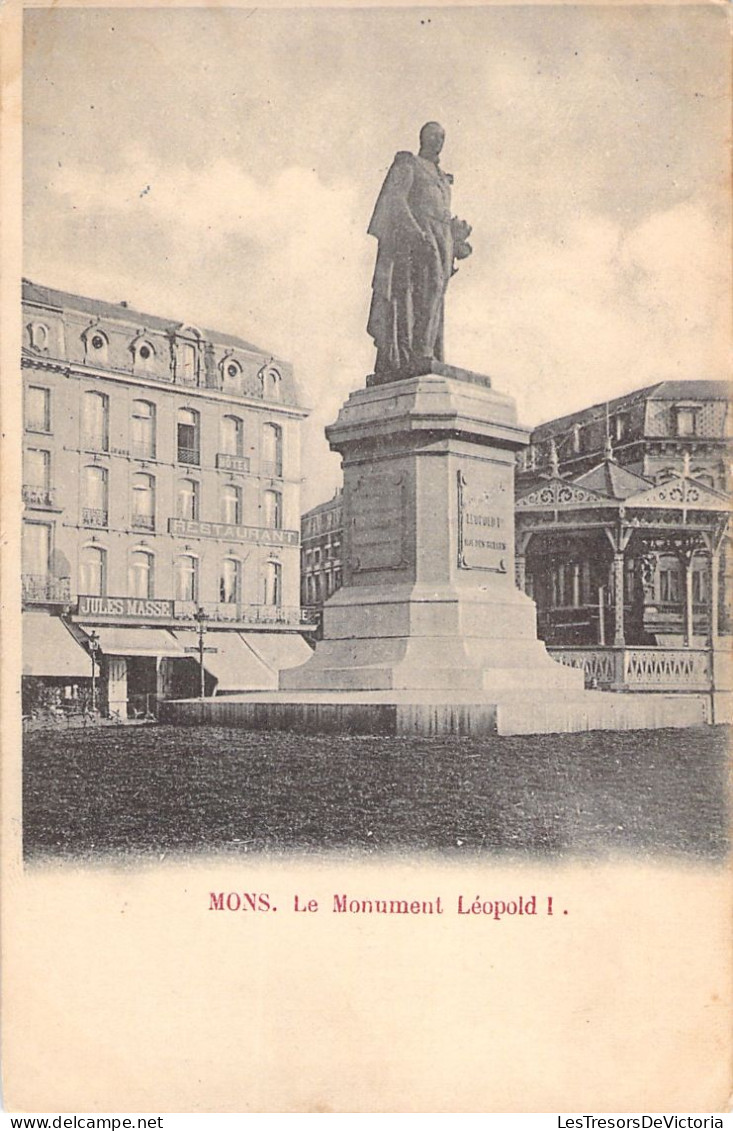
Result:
[161,789]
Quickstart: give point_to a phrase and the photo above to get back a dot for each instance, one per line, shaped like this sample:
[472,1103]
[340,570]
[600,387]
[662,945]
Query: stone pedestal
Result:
[429,602]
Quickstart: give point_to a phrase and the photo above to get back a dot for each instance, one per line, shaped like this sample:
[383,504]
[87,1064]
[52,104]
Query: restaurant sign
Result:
[262,535]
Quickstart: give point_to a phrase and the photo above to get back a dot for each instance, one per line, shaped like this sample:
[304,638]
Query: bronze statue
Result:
[419,241]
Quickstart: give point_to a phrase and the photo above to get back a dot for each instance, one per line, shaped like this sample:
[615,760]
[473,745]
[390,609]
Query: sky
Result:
[219,167]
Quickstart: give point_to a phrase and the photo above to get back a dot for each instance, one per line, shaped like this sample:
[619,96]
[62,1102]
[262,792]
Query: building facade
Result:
[621,537]
[320,554]
[161,490]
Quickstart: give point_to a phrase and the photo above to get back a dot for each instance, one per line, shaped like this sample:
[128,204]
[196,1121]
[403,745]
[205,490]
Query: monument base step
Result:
[411,714]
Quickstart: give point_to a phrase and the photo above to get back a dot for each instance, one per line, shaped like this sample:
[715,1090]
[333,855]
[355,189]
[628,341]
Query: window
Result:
[95,347]
[38,336]
[38,409]
[188,500]
[186,578]
[270,378]
[95,422]
[37,477]
[143,501]
[686,420]
[273,510]
[231,504]
[140,574]
[143,356]
[187,358]
[230,582]
[143,429]
[94,512]
[36,548]
[93,571]
[273,575]
[621,426]
[232,436]
[188,436]
[272,455]
[669,583]
[699,586]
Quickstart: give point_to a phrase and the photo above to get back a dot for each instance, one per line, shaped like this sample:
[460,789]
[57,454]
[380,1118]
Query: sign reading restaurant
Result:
[261,534]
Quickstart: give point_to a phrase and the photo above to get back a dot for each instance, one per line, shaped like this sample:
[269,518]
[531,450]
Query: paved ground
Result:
[168,789]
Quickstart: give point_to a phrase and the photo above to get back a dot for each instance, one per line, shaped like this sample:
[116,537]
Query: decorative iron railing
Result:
[93,516]
[189,455]
[39,588]
[143,522]
[228,612]
[41,497]
[640,669]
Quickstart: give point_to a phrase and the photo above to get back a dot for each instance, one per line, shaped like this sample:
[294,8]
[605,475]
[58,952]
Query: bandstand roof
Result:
[612,480]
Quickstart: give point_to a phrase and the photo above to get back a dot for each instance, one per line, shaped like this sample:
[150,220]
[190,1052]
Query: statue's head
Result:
[432,136]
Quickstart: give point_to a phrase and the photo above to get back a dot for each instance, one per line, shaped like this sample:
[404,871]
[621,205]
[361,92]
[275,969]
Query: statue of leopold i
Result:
[419,241]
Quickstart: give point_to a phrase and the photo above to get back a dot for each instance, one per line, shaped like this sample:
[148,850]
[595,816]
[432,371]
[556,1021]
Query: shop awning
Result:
[279,650]
[234,665]
[135,641]
[49,649]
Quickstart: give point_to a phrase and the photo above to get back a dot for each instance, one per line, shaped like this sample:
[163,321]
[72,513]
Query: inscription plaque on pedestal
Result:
[378,522]
[484,525]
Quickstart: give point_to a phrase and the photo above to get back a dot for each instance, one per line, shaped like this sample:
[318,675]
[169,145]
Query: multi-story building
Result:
[621,521]
[320,552]
[161,487]
[621,533]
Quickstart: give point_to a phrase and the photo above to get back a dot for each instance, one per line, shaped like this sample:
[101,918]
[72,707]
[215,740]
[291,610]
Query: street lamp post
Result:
[201,617]
[93,649]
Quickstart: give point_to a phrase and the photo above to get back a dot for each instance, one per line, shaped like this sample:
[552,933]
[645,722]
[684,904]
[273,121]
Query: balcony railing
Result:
[143,522]
[41,497]
[189,455]
[92,516]
[39,588]
[273,469]
[639,669]
[233,612]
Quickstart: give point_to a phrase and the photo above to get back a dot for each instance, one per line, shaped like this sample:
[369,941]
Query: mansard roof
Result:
[120,312]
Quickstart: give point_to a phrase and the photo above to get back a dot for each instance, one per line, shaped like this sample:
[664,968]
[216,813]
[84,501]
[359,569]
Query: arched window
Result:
[37,409]
[143,501]
[140,574]
[272,450]
[187,363]
[95,422]
[143,356]
[38,336]
[143,429]
[231,504]
[187,504]
[273,583]
[186,578]
[272,517]
[95,509]
[230,582]
[96,345]
[231,373]
[93,571]
[188,437]
[232,436]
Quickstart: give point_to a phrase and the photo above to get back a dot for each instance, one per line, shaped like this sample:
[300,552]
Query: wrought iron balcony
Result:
[190,456]
[42,498]
[143,522]
[228,612]
[92,516]
[39,588]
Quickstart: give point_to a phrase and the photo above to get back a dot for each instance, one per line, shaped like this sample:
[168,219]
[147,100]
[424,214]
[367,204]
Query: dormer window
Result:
[143,355]
[231,371]
[95,346]
[621,424]
[38,336]
[686,419]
